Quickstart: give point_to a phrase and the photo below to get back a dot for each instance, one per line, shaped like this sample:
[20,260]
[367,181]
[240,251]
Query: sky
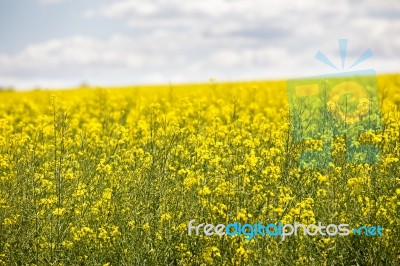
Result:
[61,43]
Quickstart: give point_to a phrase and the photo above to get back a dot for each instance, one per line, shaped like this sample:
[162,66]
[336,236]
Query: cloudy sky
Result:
[58,43]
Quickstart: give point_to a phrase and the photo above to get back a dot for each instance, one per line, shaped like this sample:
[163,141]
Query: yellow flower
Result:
[322,179]
[146,226]
[8,221]
[322,192]
[107,193]
[243,215]
[242,253]
[166,217]
[251,160]
[80,191]
[67,244]
[189,181]
[69,176]
[279,210]
[204,191]
[59,211]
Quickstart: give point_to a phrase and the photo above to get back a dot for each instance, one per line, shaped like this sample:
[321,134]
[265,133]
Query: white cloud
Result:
[195,40]
[147,59]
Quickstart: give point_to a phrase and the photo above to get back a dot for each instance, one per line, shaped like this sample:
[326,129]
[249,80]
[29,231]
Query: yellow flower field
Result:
[112,176]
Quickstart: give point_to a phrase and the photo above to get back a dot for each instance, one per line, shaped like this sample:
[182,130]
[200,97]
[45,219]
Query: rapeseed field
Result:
[112,176]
